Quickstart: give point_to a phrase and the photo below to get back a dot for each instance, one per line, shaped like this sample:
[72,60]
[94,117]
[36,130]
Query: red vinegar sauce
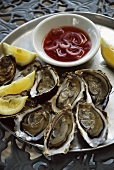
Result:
[66,44]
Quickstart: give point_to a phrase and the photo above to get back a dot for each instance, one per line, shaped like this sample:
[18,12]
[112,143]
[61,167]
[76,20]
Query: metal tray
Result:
[22,37]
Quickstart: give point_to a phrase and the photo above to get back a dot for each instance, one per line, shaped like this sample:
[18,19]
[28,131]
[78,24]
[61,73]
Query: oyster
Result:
[98,85]
[30,124]
[47,82]
[91,123]
[30,102]
[59,133]
[69,92]
[36,65]
[7,69]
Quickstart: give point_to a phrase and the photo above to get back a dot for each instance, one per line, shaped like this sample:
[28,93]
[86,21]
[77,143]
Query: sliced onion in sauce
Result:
[59,53]
[75,52]
[54,46]
[67,38]
[64,45]
[77,39]
[84,38]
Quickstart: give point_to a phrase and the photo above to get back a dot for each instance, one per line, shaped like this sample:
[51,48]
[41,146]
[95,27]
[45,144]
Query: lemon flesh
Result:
[107,51]
[22,56]
[12,104]
[19,85]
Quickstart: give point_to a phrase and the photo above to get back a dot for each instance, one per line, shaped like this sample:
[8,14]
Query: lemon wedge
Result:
[22,56]
[107,51]
[10,105]
[19,85]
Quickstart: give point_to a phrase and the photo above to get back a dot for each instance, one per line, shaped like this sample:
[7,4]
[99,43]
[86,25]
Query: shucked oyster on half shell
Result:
[91,123]
[31,123]
[59,133]
[69,92]
[7,69]
[34,66]
[47,82]
[25,70]
[99,85]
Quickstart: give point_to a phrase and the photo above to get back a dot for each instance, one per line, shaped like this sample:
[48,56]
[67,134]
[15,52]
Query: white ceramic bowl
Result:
[61,20]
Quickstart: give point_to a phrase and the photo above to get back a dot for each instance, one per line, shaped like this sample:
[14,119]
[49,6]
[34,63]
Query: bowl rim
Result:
[43,56]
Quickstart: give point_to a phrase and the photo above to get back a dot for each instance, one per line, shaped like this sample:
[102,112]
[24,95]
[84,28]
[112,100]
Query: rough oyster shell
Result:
[7,69]
[47,82]
[30,124]
[69,92]
[59,133]
[91,123]
[99,85]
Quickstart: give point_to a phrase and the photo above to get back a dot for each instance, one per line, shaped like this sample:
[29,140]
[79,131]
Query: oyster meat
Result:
[69,92]
[31,124]
[99,85]
[91,123]
[46,83]
[59,133]
[7,69]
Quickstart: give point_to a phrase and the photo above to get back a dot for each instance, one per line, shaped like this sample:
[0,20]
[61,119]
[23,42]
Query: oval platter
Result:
[22,37]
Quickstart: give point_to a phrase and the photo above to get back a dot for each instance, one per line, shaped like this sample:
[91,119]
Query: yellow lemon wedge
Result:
[22,56]
[19,85]
[10,105]
[107,51]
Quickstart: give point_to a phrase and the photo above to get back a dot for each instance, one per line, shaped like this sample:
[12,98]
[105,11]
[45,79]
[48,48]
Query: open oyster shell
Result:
[46,83]
[30,124]
[99,85]
[59,133]
[25,70]
[91,123]
[69,92]
[7,69]
[34,66]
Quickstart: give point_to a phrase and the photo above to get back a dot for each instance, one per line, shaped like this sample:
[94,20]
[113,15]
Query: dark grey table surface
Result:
[18,155]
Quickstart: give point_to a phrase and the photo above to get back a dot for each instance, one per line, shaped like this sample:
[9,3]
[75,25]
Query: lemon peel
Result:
[107,52]
[10,105]
[22,56]
[19,85]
